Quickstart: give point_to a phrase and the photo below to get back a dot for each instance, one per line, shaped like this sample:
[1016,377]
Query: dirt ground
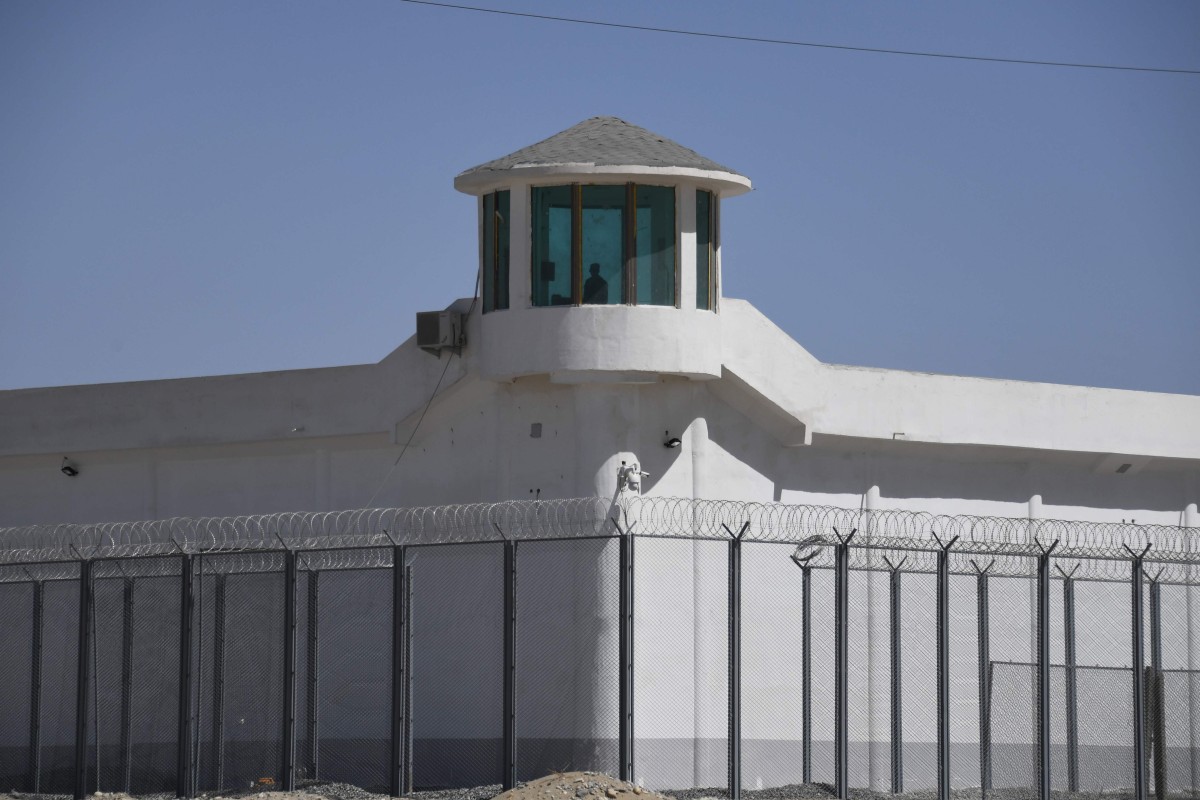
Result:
[591,786]
[559,786]
[579,786]
[123,796]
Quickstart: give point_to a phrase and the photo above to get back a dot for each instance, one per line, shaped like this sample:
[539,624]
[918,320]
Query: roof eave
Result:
[480,181]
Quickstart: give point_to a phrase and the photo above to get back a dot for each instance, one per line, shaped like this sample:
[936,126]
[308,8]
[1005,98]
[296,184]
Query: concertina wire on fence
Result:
[998,545]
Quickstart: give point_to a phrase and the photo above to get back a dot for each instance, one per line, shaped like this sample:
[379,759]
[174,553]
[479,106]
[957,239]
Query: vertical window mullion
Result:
[483,212]
[715,246]
[677,236]
[576,244]
[486,264]
[710,277]
[495,245]
[630,245]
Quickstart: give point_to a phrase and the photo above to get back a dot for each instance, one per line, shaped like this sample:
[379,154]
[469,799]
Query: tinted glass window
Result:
[494,246]
[501,239]
[603,245]
[655,238]
[552,244]
[603,256]
[704,254]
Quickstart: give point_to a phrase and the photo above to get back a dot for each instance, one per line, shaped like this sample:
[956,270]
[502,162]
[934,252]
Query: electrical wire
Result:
[438,385]
[416,427]
[794,43]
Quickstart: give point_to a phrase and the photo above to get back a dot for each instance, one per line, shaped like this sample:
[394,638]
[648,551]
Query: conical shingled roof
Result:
[602,142]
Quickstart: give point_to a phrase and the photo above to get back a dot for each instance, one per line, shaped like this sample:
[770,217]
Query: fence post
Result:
[1139,675]
[802,561]
[83,676]
[1043,668]
[313,670]
[289,670]
[35,691]
[185,776]
[1072,690]
[1157,700]
[408,680]
[896,687]
[509,777]
[126,686]
[943,665]
[985,659]
[735,660]
[841,648]
[806,670]
[399,595]
[625,733]
[218,688]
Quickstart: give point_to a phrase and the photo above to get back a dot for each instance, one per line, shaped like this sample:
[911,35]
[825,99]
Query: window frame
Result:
[499,284]
[711,247]
[714,299]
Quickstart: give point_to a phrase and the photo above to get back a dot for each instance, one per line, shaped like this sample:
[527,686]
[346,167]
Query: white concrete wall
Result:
[946,409]
[491,448]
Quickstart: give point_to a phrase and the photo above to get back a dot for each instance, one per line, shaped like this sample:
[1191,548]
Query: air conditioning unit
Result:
[440,330]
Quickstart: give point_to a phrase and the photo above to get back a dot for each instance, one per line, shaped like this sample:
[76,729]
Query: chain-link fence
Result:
[674,643]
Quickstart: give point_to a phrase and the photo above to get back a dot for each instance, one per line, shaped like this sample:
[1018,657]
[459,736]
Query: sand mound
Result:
[579,786]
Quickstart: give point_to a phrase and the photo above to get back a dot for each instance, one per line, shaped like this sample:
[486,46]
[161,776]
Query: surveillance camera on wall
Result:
[629,477]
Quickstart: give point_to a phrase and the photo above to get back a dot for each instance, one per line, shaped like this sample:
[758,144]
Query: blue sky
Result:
[220,187]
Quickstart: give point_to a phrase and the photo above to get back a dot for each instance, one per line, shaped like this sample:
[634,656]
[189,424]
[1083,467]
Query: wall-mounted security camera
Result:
[629,477]
[68,469]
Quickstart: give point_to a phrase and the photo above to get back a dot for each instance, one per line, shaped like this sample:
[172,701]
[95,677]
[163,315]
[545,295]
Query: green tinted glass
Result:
[495,251]
[603,244]
[501,258]
[551,252]
[704,242]
[655,237]
[487,247]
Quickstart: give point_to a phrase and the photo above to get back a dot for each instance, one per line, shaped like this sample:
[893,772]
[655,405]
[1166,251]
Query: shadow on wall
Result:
[914,470]
[658,460]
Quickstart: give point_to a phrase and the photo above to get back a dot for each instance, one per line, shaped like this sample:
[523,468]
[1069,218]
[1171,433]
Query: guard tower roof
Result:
[601,145]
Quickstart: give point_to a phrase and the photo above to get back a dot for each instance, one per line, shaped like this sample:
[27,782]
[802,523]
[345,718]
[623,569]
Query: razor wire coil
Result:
[1000,545]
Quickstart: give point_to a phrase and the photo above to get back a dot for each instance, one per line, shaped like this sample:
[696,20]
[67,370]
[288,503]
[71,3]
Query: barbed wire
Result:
[1009,544]
[918,531]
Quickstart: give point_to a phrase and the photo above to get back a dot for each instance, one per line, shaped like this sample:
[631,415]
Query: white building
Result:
[600,336]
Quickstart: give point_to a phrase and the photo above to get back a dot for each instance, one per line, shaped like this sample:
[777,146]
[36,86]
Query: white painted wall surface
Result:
[573,343]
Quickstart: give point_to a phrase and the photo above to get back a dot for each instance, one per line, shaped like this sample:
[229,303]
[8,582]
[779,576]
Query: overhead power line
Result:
[793,43]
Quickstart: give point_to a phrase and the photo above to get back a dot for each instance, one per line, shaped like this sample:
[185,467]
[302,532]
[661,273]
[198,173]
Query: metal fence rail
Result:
[739,644]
